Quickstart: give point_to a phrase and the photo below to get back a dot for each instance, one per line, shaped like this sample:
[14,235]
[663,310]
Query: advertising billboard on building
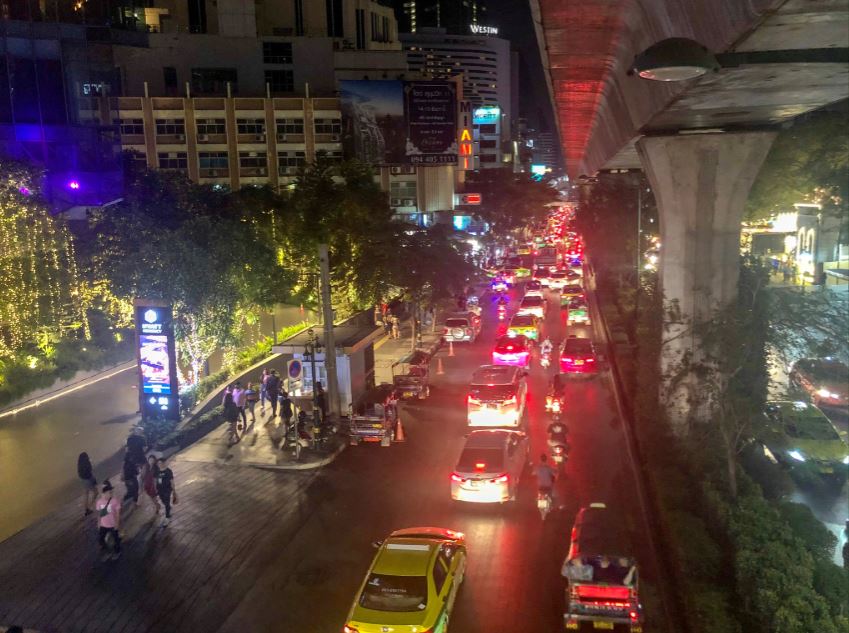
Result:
[397,122]
[157,360]
[373,119]
[431,111]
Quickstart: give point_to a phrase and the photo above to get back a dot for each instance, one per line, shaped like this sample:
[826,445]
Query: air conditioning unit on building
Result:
[335,137]
[409,202]
[260,138]
[212,173]
[395,202]
[203,138]
[396,170]
[181,137]
[399,170]
[281,138]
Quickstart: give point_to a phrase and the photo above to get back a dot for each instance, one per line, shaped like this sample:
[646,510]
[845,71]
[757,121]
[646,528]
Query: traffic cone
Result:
[399,431]
[439,370]
[451,348]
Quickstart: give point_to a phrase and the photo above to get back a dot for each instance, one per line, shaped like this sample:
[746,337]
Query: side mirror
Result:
[376,544]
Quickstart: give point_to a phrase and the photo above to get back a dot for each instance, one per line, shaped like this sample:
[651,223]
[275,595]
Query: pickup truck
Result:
[411,376]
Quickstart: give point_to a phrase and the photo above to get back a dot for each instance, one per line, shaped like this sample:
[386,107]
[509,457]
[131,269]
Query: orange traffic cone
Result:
[439,369]
[451,348]
[399,431]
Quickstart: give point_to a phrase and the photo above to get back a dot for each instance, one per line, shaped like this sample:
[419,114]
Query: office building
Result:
[457,17]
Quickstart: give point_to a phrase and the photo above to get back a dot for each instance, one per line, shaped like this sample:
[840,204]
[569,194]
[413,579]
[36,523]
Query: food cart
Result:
[373,418]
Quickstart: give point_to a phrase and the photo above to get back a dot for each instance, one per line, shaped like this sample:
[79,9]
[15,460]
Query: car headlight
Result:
[797,456]
[825,393]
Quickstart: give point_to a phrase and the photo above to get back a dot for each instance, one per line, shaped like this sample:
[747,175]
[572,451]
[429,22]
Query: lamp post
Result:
[310,348]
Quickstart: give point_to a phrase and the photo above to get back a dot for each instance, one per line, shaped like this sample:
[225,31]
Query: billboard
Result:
[157,359]
[431,111]
[400,122]
[373,118]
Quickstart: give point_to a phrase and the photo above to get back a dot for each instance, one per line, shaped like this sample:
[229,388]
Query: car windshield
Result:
[456,322]
[810,428]
[394,593]
[512,345]
[531,302]
[472,458]
[832,371]
[578,346]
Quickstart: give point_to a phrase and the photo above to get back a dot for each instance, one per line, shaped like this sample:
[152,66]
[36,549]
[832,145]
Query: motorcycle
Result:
[543,503]
[553,405]
[559,453]
[545,360]
[502,312]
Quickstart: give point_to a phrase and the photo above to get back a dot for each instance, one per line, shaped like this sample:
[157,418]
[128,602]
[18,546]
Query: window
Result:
[212,126]
[488,128]
[361,28]
[440,574]
[169,75]
[214,80]
[250,126]
[277,53]
[487,158]
[252,159]
[173,160]
[299,17]
[130,126]
[379,28]
[290,126]
[213,160]
[402,189]
[328,126]
[170,127]
[333,10]
[330,155]
[280,80]
[489,144]
[290,162]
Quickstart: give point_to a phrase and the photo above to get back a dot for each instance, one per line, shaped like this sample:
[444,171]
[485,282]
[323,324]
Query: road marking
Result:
[64,392]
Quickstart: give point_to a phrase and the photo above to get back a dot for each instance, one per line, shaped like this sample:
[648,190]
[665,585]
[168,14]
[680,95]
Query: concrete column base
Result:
[701,183]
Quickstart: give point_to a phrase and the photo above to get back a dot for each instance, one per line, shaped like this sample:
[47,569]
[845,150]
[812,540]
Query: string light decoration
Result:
[39,287]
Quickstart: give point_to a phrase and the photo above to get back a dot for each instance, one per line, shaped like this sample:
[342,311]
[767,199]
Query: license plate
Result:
[579,362]
[408,394]
[608,626]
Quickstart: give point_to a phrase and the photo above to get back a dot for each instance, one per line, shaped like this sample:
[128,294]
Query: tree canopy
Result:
[509,201]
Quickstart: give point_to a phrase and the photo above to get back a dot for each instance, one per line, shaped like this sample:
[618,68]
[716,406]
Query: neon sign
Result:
[479,29]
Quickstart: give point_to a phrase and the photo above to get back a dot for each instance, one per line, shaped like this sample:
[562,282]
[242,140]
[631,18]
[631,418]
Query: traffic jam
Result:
[413,582]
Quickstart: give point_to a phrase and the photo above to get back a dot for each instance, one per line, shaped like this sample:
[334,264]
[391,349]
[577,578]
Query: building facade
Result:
[455,16]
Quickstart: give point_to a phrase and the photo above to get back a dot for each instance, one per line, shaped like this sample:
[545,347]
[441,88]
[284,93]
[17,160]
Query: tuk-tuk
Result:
[373,418]
[411,375]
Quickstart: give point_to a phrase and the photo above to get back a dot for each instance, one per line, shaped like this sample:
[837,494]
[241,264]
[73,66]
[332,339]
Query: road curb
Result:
[324,461]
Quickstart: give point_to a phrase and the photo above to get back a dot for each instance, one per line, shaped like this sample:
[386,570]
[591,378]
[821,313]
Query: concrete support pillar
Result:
[701,183]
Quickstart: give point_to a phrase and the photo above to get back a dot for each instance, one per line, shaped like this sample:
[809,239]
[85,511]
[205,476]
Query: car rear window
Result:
[456,322]
[394,593]
[511,344]
[491,458]
[533,285]
[578,345]
[522,321]
[558,275]
[492,392]
[531,302]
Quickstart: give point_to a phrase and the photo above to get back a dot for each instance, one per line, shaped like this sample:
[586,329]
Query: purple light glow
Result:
[24,191]
[74,184]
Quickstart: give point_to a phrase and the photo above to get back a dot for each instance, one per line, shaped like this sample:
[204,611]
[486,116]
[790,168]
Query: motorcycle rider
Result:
[546,476]
[557,432]
[546,348]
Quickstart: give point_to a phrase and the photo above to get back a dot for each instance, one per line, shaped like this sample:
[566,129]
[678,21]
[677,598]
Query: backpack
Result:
[104,511]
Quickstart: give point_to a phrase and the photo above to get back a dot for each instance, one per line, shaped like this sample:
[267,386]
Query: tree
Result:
[41,293]
[509,201]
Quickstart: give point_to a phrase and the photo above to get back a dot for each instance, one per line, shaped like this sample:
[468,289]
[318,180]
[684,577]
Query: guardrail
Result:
[669,597]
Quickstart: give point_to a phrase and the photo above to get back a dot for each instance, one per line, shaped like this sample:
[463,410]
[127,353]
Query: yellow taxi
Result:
[527,325]
[411,584]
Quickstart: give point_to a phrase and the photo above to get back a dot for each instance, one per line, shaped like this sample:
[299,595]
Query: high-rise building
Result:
[484,62]
[457,17]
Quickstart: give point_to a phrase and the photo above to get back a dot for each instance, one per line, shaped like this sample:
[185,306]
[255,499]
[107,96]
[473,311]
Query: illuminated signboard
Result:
[538,171]
[157,360]
[466,145]
[470,198]
[479,29]
[487,114]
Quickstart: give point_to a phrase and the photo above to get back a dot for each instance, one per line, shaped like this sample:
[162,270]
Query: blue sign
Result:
[486,114]
[295,369]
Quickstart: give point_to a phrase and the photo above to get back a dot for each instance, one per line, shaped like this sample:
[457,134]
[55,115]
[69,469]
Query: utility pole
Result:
[329,339]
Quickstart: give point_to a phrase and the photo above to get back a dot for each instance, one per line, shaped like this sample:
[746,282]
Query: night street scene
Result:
[417,316]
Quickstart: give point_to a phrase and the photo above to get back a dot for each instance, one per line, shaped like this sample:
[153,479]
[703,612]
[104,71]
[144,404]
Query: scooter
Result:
[502,312]
[553,405]
[545,360]
[543,503]
[559,454]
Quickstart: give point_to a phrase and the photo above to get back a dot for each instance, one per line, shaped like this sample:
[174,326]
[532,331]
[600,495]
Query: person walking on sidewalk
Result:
[109,520]
[251,398]
[240,398]
[387,323]
[231,416]
[272,390]
[148,477]
[286,408]
[263,395]
[396,327]
[86,473]
[130,477]
[321,401]
[165,489]
[136,446]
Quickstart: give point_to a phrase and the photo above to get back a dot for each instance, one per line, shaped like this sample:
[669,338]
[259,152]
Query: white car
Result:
[497,396]
[557,280]
[490,466]
[533,305]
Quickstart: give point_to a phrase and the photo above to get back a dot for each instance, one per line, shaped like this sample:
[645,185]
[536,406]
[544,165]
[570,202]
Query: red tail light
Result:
[634,616]
[480,466]
[457,478]
[591,360]
[472,400]
[503,479]
[567,361]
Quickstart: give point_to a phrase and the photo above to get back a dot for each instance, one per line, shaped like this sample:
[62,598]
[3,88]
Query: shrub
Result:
[817,539]
[697,552]
[192,430]
[833,584]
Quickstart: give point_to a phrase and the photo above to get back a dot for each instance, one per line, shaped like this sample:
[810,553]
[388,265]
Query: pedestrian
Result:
[262,393]
[86,473]
[377,314]
[165,489]
[136,446]
[286,408]
[130,477]
[321,401]
[240,398]
[387,323]
[148,477]
[396,327]
[109,520]
[272,389]
[231,416]
[251,398]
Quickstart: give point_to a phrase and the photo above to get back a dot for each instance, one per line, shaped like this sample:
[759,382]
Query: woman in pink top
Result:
[109,519]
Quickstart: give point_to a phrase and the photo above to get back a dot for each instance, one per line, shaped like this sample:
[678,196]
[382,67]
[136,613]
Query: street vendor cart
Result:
[373,418]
